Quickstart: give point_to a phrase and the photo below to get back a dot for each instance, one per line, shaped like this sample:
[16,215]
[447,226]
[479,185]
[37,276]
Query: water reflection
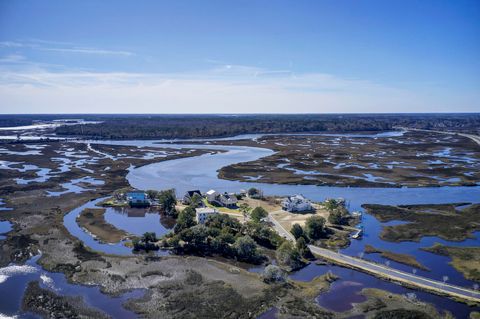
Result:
[120,248]
[345,291]
[137,221]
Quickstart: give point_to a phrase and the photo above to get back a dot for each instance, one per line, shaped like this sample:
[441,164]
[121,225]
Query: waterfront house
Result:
[203,213]
[187,198]
[226,199]
[297,203]
[138,199]
[211,195]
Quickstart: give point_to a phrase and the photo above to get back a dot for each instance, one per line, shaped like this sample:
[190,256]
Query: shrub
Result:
[272,274]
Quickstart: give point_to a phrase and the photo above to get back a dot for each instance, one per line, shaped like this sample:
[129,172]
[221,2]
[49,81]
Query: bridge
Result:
[387,273]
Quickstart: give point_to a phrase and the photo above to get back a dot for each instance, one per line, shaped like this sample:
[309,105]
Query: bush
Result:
[263,235]
[302,248]
[245,248]
[185,219]
[315,227]
[273,274]
[287,255]
[297,231]
[338,216]
[254,193]
[167,200]
[258,213]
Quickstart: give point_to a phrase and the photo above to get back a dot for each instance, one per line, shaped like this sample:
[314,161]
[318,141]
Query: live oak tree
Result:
[258,213]
[315,227]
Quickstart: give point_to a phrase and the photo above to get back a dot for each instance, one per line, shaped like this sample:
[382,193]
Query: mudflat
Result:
[414,159]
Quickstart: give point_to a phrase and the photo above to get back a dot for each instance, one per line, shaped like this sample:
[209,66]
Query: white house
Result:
[228,200]
[297,203]
[203,213]
[225,199]
[211,195]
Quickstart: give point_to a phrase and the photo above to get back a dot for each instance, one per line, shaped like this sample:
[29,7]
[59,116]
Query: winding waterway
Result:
[201,172]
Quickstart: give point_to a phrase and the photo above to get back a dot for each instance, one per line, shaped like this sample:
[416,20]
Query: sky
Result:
[209,56]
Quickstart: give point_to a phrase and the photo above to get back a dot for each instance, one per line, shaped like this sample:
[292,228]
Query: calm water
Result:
[5,227]
[345,291]
[117,219]
[15,278]
[201,173]
[138,221]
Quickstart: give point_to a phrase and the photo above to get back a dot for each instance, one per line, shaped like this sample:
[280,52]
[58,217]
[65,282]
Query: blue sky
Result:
[239,56]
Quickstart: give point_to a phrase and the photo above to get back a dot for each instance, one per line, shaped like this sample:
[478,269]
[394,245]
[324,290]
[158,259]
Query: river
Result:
[201,172]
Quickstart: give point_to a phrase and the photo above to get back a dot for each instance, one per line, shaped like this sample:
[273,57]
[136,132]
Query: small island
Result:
[442,220]
[399,258]
[464,259]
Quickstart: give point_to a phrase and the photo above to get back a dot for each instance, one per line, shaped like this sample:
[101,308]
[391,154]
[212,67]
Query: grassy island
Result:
[93,220]
[445,221]
[464,259]
[399,258]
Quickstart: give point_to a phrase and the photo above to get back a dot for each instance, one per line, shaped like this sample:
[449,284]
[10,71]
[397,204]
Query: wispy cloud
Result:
[12,58]
[223,89]
[88,51]
[61,47]
[27,86]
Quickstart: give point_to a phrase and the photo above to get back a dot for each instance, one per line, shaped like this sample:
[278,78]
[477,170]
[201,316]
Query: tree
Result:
[289,256]
[198,236]
[336,217]
[196,200]
[149,237]
[297,231]
[245,209]
[302,248]
[167,200]
[331,204]
[152,194]
[272,274]
[315,227]
[146,242]
[223,221]
[185,219]
[245,248]
[258,213]
[253,192]
[262,234]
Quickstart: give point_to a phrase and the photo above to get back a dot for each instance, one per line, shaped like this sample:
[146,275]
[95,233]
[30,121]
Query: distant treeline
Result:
[191,126]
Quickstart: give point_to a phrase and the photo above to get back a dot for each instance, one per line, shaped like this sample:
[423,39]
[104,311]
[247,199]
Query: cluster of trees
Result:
[188,126]
[314,229]
[166,199]
[339,214]
[222,235]
[292,256]
[254,193]
[147,242]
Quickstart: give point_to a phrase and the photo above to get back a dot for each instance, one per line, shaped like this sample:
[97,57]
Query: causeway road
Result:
[384,272]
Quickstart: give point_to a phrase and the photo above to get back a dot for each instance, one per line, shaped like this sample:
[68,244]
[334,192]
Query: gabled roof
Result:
[191,193]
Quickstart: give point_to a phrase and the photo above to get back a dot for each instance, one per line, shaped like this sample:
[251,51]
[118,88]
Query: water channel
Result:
[200,172]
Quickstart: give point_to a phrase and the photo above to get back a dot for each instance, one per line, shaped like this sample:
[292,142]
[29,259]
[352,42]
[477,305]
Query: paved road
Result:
[385,272]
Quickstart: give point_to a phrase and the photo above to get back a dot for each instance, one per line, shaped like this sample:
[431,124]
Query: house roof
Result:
[191,193]
[206,210]
[211,192]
